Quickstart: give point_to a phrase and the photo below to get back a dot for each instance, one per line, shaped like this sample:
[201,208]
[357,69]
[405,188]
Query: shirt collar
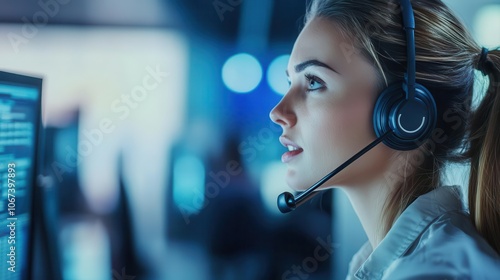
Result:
[410,224]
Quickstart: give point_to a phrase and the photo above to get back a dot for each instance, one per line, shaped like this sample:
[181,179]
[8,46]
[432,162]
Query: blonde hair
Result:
[446,57]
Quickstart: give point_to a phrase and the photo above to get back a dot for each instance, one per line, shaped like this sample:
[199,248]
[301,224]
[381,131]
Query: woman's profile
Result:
[350,82]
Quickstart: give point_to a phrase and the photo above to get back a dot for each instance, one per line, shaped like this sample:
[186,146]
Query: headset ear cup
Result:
[388,116]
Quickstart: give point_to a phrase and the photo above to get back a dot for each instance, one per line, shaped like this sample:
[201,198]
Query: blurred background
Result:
[160,158]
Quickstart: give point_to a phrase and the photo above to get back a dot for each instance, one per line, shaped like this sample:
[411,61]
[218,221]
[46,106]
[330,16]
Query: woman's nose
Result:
[283,113]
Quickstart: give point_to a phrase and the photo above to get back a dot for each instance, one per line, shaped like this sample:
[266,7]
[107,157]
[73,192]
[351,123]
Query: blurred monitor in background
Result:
[19,126]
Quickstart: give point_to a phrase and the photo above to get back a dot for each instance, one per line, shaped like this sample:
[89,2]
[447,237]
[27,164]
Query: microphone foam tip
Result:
[286,202]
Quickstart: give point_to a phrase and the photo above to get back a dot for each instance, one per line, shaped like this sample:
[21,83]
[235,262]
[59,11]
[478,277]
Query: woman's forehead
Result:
[323,40]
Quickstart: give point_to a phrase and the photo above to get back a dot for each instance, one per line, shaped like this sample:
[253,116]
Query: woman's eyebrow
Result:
[313,62]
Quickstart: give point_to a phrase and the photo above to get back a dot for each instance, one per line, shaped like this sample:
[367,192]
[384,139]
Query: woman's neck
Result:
[368,201]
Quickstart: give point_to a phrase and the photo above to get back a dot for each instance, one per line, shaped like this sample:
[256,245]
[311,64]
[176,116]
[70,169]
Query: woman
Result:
[348,52]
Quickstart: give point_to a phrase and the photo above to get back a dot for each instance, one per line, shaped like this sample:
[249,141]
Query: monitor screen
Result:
[20,102]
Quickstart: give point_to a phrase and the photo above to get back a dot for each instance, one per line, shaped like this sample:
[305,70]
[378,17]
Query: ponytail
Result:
[484,154]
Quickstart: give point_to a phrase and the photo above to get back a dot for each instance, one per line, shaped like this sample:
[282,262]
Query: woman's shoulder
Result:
[449,248]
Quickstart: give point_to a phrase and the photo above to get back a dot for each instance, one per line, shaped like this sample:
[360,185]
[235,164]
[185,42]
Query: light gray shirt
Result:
[433,238]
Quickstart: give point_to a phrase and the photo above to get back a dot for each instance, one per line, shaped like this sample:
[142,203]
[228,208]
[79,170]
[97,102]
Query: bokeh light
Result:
[188,182]
[487,25]
[242,73]
[276,76]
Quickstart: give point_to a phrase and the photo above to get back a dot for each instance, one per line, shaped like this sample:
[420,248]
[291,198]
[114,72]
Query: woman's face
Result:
[326,114]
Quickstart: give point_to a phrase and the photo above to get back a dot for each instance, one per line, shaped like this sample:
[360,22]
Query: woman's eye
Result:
[314,83]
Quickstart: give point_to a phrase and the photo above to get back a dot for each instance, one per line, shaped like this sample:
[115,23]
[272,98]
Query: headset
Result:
[404,115]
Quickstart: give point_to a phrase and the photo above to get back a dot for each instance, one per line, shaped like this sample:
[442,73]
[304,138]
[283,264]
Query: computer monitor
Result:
[20,110]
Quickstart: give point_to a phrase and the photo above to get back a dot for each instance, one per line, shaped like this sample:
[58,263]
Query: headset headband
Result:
[409,27]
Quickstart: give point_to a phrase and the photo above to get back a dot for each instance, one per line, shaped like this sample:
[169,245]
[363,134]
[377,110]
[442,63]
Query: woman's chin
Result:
[296,184]
[300,183]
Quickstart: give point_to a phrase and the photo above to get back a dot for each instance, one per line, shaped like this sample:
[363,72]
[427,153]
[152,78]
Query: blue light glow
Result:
[273,184]
[487,25]
[276,76]
[242,73]
[189,184]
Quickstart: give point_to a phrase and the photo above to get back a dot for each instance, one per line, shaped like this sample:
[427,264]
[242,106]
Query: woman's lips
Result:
[293,149]
[288,156]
